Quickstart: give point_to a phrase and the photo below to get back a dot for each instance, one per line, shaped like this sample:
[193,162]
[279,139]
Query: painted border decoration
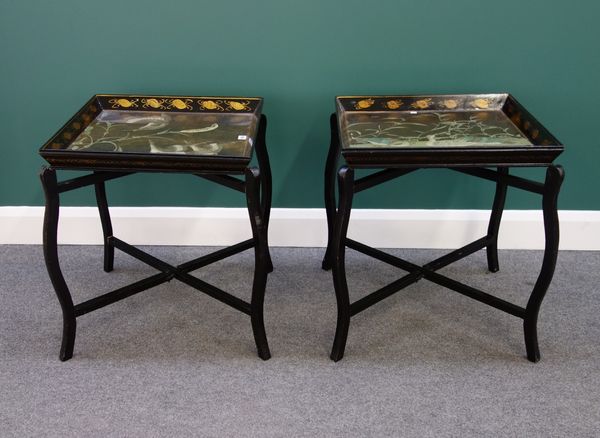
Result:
[423,103]
[518,115]
[181,103]
[71,130]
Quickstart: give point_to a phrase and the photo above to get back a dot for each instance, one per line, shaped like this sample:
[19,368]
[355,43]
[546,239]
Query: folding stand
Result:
[338,219]
[257,187]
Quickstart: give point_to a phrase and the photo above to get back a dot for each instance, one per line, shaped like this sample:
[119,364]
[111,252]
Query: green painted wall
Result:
[298,55]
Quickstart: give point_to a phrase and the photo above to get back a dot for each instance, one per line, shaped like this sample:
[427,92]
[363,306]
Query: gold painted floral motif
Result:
[393,104]
[181,104]
[237,105]
[124,103]
[211,105]
[450,104]
[153,103]
[535,134]
[481,103]
[422,103]
[364,104]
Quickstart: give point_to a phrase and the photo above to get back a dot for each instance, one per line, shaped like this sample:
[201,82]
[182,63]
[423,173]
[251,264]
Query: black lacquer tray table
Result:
[113,136]
[479,135]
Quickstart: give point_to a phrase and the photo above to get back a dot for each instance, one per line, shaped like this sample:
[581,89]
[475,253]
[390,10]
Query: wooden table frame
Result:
[257,187]
[338,217]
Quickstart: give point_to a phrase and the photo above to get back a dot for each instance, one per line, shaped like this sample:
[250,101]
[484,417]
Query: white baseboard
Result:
[300,227]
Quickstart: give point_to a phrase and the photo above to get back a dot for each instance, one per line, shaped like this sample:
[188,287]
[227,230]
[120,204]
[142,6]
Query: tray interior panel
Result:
[400,129]
[114,131]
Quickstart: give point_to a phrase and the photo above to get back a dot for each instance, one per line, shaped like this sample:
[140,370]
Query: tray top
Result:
[161,132]
[481,125]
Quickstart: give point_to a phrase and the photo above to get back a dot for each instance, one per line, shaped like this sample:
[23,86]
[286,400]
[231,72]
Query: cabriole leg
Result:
[261,264]
[49,183]
[109,249]
[338,248]
[330,167]
[554,179]
[266,185]
[495,217]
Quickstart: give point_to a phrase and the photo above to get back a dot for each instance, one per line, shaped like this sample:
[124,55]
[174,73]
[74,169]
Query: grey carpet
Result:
[173,362]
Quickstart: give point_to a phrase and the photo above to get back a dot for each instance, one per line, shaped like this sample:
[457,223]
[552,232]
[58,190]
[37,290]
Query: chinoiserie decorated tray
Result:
[163,133]
[442,131]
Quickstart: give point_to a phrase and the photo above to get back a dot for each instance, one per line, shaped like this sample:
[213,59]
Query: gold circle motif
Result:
[422,103]
[450,103]
[125,103]
[179,104]
[364,104]
[481,103]
[154,103]
[393,104]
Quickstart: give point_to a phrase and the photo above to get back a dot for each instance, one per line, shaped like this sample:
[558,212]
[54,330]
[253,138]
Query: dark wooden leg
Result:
[49,183]
[266,184]
[554,178]
[338,248]
[261,266]
[109,249]
[495,217]
[330,168]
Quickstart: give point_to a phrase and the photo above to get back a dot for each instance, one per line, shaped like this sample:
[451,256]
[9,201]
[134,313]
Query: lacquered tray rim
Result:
[173,96]
[420,96]
[55,155]
[555,145]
